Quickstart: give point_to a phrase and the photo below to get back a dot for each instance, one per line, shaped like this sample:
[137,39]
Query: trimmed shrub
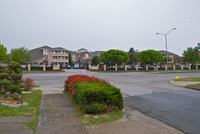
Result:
[15,67]
[69,83]
[93,95]
[4,76]
[3,69]
[97,95]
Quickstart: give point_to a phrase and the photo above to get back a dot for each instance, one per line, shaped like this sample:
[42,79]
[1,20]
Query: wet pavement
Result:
[149,93]
[57,114]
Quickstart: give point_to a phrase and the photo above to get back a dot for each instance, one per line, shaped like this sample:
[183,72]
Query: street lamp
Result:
[166,43]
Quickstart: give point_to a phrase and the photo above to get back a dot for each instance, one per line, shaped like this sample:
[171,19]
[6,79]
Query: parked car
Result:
[76,66]
[81,67]
[23,66]
[139,66]
[69,67]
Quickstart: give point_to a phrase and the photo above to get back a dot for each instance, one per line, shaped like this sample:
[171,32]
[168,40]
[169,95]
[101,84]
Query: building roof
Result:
[59,49]
[37,52]
[167,52]
[82,50]
[97,53]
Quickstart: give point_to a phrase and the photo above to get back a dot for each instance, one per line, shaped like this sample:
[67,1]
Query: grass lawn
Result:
[192,71]
[36,86]
[88,119]
[42,71]
[192,79]
[194,86]
[32,109]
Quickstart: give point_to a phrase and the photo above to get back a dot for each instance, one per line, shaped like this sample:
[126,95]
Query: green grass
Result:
[194,86]
[180,71]
[36,86]
[88,119]
[42,71]
[32,109]
[192,79]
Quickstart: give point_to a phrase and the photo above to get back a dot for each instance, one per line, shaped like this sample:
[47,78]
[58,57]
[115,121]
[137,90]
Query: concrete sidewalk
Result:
[57,116]
[133,122]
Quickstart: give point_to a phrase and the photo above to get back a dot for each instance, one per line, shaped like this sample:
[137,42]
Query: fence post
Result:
[174,67]
[29,67]
[137,67]
[125,67]
[181,67]
[147,67]
[104,67]
[44,67]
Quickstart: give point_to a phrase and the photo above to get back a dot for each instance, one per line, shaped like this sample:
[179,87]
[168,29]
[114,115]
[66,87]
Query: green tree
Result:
[3,52]
[21,55]
[150,57]
[190,56]
[95,60]
[169,58]
[112,57]
[133,56]
[70,59]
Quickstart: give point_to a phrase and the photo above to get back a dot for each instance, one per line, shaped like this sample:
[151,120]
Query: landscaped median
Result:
[193,82]
[95,100]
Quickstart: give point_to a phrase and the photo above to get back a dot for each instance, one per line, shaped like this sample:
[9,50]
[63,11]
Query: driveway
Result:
[147,92]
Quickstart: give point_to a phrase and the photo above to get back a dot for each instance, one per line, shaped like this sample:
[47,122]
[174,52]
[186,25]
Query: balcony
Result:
[59,60]
[60,54]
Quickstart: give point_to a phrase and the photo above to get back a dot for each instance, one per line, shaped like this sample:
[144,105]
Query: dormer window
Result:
[45,51]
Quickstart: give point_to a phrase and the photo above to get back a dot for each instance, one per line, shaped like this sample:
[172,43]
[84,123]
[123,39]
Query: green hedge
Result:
[97,97]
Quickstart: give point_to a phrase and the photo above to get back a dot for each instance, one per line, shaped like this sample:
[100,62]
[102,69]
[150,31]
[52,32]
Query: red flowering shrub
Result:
[28,84]
[70,82]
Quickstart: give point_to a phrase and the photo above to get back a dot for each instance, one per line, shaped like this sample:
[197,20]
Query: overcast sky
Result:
[100,24]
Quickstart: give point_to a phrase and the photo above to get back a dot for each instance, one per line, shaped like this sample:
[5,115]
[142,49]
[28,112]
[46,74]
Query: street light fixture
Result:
[166,43]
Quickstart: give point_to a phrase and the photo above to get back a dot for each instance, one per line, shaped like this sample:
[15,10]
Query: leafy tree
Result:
[70,59]
[169,58]
[112,57]
[95,60]
[21,55]
[150,57]
[190,55]
[3,52]
[133,56]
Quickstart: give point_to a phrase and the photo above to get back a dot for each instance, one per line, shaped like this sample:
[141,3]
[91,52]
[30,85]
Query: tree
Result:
[21,55]
[112,57]
[133,56]
[150,57]
[190,56]
[169,58]
[95,60]
[3,52]
[70,59]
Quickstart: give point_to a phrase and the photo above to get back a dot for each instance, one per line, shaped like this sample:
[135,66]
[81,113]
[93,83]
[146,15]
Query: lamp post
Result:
[166,43]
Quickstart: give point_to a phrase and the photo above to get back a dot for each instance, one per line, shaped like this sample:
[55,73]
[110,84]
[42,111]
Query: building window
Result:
[45,52]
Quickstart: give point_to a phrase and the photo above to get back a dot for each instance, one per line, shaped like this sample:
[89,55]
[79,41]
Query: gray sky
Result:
[100,24]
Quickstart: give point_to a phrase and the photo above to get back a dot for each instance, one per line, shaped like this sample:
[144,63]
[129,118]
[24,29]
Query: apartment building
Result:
[48,55]
[170,54]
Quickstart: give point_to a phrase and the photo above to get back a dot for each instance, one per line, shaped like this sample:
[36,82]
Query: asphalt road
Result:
[147,92]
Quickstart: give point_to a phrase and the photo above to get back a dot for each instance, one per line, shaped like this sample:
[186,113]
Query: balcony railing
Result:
[59,60]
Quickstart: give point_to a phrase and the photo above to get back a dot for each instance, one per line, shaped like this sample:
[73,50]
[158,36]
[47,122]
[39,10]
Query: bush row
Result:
[93,95]
[69,83]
